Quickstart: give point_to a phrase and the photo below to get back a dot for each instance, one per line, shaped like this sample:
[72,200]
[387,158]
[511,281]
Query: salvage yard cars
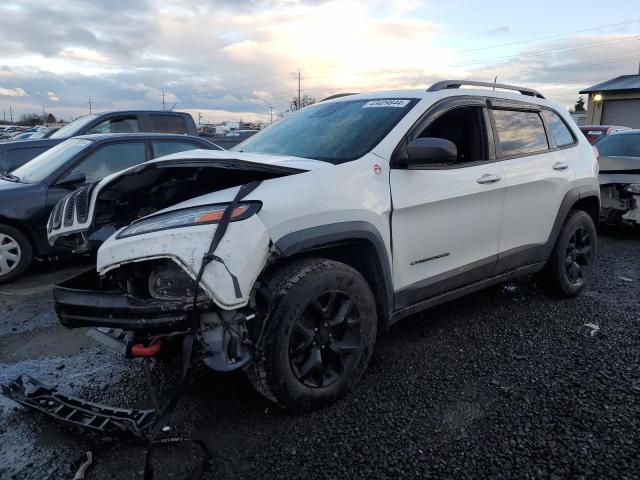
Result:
[286,257]
[28,195]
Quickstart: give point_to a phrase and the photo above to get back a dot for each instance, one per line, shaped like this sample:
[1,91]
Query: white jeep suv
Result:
[286,255]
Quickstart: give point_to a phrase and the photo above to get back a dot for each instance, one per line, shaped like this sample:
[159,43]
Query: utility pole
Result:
[163,99]
[10,115]
[271,114]
[199,118]
[90,106]
[495,80]
[299,98]
[44,118]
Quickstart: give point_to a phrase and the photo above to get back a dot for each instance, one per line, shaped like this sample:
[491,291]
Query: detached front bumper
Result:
[80,302]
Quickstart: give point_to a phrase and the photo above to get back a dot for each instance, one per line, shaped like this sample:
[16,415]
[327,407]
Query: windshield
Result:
[74,127]
[39,135]
[335,132]
[619,145]
[48,162]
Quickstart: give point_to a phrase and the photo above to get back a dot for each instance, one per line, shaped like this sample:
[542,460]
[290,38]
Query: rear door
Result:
[538,174]
[446,218]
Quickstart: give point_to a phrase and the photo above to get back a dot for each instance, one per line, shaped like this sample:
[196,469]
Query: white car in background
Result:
[285,256]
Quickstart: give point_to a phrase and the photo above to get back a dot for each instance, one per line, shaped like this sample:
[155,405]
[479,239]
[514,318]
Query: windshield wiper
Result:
[10,176]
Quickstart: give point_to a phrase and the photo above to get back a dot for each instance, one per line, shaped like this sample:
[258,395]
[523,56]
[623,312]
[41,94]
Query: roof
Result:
[623,83]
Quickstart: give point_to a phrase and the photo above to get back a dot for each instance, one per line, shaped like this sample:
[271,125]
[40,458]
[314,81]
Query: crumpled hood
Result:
[297,163]
[619,164]
[186,178]
[619,170]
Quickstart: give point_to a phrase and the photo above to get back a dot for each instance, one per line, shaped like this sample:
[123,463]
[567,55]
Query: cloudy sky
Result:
[233,59]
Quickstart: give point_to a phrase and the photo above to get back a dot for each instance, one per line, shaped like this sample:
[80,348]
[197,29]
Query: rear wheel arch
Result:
[591,205]
[586,199]
[356,244]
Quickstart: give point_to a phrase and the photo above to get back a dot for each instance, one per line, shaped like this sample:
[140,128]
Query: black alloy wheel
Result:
[578,255]
[325,339]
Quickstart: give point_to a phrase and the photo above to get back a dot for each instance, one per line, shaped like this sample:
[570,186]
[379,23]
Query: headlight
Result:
[167,281]
[633,188]
[188,217]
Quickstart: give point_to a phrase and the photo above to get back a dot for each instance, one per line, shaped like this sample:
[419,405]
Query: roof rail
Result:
[444,84]
[337,95]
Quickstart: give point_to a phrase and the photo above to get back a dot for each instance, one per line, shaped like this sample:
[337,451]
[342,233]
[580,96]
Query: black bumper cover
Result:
[80,302]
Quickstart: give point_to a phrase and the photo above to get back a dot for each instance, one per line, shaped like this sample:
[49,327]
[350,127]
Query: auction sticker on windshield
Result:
[394,103]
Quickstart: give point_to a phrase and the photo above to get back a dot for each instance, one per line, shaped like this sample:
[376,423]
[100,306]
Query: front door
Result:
[446,219]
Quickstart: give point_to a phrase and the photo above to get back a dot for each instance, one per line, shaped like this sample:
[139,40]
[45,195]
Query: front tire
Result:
[571,264]
[16,253]
[319,336]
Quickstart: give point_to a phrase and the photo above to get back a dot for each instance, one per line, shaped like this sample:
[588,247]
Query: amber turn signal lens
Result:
[215,216]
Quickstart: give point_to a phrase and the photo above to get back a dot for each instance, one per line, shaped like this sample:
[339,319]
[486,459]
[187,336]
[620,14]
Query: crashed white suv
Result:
[285,256]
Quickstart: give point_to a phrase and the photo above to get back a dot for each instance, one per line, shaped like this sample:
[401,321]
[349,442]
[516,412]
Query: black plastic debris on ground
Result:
[74,411]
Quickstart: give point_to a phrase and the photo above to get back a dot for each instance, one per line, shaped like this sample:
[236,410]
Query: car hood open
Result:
[125,196]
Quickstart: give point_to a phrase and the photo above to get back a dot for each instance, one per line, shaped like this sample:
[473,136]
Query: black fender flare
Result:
[570,199]
[315,238]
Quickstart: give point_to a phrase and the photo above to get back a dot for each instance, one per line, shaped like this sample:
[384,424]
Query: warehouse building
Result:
[615,102]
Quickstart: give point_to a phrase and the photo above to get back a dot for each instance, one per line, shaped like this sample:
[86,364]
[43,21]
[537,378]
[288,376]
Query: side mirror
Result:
[430,150]
[71,179]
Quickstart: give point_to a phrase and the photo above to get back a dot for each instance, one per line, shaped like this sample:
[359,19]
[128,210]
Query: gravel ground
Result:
[501,384]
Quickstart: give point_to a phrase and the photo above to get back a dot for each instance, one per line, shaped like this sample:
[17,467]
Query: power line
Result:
[545,52]
[549,37]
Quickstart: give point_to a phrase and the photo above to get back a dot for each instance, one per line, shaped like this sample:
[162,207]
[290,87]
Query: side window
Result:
[160,149]
[111,158]
[117,125]
[167,124]
[464,126]
[520,132]
[558,129]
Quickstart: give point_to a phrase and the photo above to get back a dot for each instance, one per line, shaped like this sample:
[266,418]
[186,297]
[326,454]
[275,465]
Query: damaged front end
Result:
[620,190]
[144,308]
[183,254]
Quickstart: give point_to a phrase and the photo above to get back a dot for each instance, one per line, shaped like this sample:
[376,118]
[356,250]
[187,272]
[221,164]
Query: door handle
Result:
[560,166]
[489,178]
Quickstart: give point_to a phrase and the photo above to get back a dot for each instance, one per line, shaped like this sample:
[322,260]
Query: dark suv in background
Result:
[14,154]
[28,194]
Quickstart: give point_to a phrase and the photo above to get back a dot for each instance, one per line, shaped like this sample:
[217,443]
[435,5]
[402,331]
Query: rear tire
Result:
[319,336]
[570,265]
[16,253]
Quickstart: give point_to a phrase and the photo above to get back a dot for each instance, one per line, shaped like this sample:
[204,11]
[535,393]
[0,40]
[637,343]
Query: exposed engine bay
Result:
[109,205]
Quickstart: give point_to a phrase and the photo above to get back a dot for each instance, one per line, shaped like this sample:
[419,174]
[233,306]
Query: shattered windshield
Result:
[335,132]
[74,127]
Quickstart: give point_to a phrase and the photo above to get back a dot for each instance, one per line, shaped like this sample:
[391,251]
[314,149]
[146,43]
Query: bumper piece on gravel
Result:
[74,411]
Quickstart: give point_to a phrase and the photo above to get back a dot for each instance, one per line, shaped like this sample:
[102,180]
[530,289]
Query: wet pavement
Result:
[504,383]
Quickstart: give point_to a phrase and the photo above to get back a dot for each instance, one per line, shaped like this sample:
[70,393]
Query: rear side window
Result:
[558,129]
[160,149]
[167,124]
[520,132]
